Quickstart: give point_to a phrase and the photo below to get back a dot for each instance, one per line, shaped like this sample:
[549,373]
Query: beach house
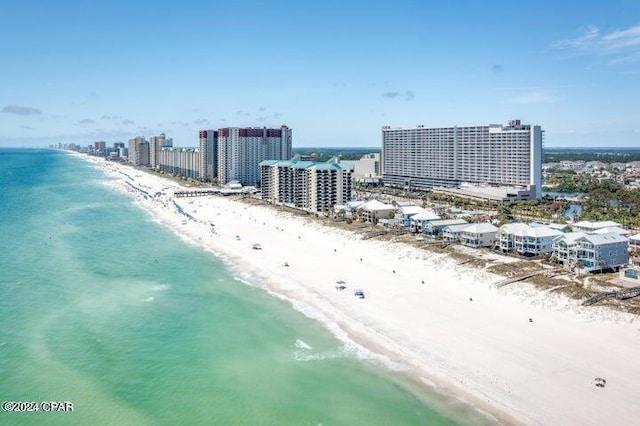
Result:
[405,213]
[504,235]
[374,210]
[434,228]
[420,221]
[612,229]
[602,251]
[479,235]
[451,233]
[591,252]
[535,241]
[588,226]
[565,248]
[634,241]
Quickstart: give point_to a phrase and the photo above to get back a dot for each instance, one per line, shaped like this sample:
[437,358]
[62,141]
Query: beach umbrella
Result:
[340,282]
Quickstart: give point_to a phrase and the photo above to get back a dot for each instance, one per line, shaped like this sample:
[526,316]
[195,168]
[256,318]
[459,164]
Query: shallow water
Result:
[105,308]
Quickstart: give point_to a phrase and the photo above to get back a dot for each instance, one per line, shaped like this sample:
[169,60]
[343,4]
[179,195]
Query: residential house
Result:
[420,221]
[504,235]
[587,226]
[451,233]
[406,212]
[602,251]
[478,235]
[374,210]
[634,241]
[565,248]
[591,252]
[535,241]
[434,228]
[612,229]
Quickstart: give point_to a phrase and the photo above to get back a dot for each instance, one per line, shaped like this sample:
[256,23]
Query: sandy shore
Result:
[484,350]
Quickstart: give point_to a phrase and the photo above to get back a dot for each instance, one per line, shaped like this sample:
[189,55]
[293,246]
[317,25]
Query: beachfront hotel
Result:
[488,161]
[240,151]
[307,185]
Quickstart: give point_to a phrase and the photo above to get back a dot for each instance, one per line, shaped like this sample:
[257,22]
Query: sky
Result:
[334,71]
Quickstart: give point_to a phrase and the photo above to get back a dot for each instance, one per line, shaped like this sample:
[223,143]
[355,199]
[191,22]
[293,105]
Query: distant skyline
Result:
[333,71]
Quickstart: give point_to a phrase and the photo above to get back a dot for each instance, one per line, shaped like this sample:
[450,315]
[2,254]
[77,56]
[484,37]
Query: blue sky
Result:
[334,71]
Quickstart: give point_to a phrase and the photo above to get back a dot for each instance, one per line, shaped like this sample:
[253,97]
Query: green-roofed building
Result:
[307,185]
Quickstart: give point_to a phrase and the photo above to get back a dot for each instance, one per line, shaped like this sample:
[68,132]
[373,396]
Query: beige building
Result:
[156,143]
[138,151]
[307,185]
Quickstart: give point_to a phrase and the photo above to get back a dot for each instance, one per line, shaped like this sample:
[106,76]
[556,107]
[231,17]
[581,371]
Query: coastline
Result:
[484,351]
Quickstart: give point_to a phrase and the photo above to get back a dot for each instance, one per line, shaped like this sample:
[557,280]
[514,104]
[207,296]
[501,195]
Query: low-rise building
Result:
[452,233]
[374,210]
[419,222]
[535,241]
[634,241]
[602,251]
[433,228]
[565,247]
[479,235]
[591,252]
[405,213]
[504,235]
[612,229]
[588,226]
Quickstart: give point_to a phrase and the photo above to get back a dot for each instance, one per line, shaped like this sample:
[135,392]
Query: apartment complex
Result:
[508,156]
[307,185]
[240,151]
[180,161]
[156,143]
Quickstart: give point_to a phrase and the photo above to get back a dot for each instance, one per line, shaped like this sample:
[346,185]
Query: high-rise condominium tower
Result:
[494,155]
[156,143]
[208,149]
[240,151]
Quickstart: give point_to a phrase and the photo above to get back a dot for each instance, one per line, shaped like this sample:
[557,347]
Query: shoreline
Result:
[484,352]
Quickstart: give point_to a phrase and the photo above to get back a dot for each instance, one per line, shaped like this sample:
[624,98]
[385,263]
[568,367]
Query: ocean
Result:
[105,308]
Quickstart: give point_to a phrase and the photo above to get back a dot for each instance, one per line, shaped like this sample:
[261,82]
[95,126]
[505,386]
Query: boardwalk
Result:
[626,293]
[547,272]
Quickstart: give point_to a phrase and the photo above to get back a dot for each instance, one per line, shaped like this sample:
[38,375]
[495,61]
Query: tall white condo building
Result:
[240,151]
[504,159]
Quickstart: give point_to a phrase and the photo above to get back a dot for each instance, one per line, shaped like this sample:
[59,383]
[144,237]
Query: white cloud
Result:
[619,46]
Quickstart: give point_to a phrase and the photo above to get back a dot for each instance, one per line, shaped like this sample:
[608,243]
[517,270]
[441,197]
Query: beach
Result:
[518,354]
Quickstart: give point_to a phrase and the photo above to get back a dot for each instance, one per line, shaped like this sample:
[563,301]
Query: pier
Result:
[196,193]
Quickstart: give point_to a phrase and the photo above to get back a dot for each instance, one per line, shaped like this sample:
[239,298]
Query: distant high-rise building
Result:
[208,148]
[156,143]
[138,151]
[240,151]
[494,155]
[99,148]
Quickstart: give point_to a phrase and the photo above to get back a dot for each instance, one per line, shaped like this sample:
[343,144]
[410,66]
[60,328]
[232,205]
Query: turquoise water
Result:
[105,308]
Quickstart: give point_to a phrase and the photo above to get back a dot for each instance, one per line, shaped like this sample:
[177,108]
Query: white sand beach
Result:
[484,350]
